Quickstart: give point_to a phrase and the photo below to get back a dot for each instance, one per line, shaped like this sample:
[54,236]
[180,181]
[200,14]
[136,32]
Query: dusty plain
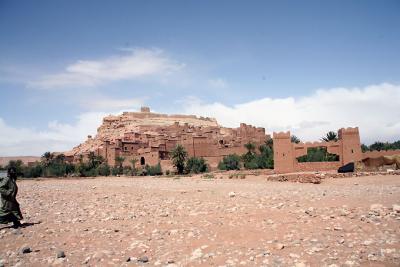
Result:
[193,221]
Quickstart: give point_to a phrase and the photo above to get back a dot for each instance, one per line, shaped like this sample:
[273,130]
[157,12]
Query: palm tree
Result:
[250,148]
[330,136]
[294,139]
[269,142]
[92,159]
[60,158]
[47,157]
[179,155]
[133,162]
[119,160]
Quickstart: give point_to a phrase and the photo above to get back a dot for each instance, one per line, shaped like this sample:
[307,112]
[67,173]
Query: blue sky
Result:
[62,61]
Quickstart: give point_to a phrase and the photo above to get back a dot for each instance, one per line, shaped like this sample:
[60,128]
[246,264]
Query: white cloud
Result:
[218,83]
[57,137]
[137,63]
[107,103]
[374,109]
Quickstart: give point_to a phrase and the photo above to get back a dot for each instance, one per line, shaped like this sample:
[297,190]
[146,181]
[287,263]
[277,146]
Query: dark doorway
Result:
[142,161]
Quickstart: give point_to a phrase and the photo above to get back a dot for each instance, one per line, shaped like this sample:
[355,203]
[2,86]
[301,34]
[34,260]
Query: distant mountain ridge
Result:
[25,159]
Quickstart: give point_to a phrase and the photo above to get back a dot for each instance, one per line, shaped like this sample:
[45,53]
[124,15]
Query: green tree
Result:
[94,160]
[364,148]
[318,154]
[47,158]
[119,161]
[133,163]
[249,158]
[294,139]
[330,136]
[269,142]
[34,171]
[251,147]
[196,165]
[377,146]
[103,169]
[60,158]
[265,160]
[179,155]
[230,162]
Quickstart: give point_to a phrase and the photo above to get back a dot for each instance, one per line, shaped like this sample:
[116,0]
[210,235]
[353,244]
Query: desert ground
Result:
[195,221]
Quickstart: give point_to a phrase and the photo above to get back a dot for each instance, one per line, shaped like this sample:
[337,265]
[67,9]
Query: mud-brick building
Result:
[150,137]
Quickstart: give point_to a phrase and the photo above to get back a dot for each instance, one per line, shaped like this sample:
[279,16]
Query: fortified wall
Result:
[348,148]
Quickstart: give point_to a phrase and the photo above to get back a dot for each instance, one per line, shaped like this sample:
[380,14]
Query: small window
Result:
[352,151]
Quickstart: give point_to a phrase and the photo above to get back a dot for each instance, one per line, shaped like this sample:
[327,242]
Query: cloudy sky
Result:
[308,67]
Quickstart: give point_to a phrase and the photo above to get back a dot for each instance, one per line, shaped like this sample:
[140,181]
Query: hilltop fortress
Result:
[150,137]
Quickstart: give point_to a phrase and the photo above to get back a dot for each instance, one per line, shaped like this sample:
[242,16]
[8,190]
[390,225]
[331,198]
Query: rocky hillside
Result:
[114,127]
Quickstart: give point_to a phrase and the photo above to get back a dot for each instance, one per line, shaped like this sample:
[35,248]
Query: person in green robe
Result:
[9,209]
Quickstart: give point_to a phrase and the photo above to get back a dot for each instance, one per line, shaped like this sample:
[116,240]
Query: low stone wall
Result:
[316,166]
[376,154]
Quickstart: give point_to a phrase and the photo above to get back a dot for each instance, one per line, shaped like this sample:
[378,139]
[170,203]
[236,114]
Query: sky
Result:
[303,66]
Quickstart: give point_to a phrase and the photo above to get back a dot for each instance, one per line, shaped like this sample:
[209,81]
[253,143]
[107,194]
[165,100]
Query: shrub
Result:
[33,171]
[208,176]
[153,170]
[230,162]
[196,165]
[265,160]
[251,164]
[103,169]
[115,171]
[237,176]
[318,154]
[127,170]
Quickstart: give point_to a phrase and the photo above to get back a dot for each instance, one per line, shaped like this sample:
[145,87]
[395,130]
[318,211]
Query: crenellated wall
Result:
[286,153]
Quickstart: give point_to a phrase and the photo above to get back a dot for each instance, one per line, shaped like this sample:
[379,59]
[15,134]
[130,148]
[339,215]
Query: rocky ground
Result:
[195,221]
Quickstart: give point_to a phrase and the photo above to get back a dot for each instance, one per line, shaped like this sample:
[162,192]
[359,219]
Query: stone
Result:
[25,250]
[232,194]
[279,246]
[143,259]
[376,208]
[196,254]
[60,254]
[396,208]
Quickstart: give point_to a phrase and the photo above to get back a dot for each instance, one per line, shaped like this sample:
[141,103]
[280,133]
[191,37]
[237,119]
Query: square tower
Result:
[283,153]
[351,145]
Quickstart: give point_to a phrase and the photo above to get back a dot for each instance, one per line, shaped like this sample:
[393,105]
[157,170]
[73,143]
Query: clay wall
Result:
[376,154]
[348,148]
[317,166]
